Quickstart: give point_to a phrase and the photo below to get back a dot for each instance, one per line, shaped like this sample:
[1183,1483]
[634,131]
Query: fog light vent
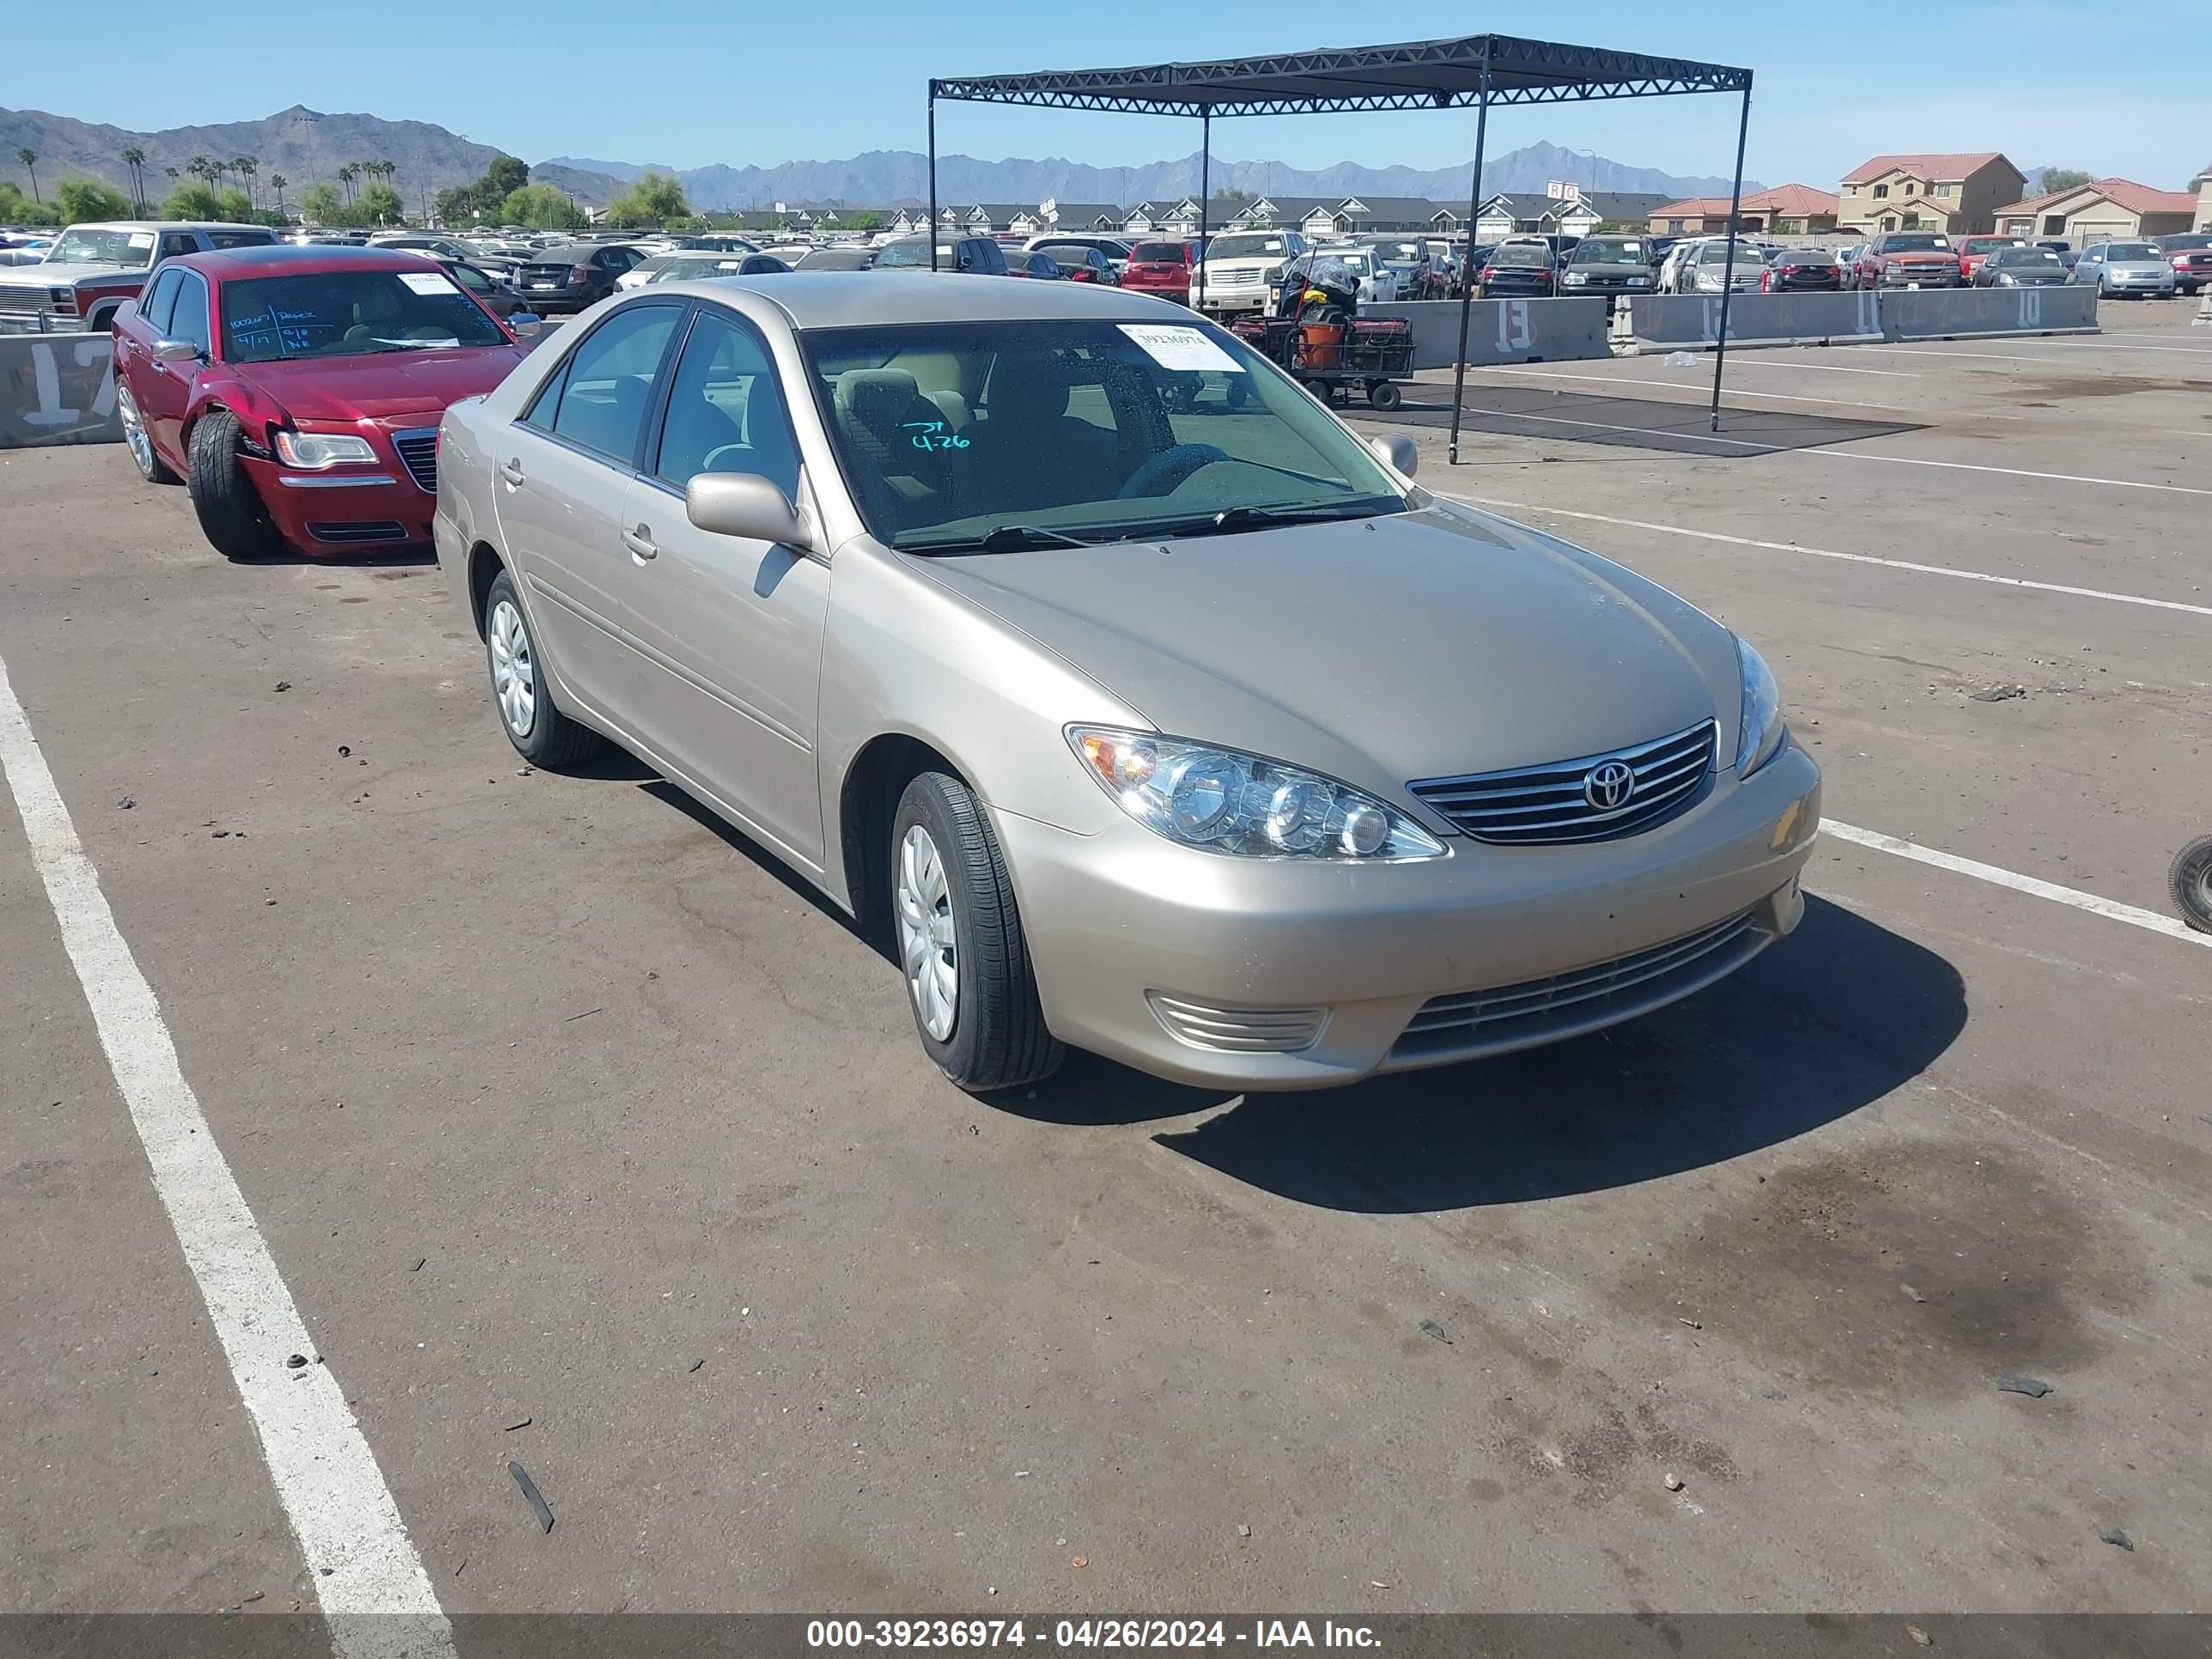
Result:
[1239,1031]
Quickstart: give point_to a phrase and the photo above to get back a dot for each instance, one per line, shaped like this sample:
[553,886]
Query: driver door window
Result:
[600,403]
[189,321]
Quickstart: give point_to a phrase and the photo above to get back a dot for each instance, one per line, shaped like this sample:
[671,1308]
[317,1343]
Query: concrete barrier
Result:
[1503,331]
[1946,314]
[1691,322]
[56,389]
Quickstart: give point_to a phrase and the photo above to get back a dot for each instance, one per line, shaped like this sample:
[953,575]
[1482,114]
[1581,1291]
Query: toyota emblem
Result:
[1609,785]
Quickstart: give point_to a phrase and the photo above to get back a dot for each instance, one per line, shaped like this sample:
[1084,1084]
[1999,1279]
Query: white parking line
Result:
[1843,455]
[1826,368]
[1850,558]
[360,1560]
[2110,909]
[1935,350]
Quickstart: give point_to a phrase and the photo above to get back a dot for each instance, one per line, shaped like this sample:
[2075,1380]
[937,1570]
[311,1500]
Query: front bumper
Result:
[345,510]
[1126,930]
[1921,277]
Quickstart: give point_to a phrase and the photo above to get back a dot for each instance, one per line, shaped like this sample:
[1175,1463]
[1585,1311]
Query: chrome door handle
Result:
[640,543]
[512,471]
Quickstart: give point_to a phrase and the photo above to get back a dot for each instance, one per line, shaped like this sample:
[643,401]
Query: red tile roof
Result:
[1944,167]
[2121,192]
[1794,201]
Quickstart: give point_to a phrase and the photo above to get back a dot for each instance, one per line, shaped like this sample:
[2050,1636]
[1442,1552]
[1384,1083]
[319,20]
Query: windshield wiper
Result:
[1001,538]
[1230,520]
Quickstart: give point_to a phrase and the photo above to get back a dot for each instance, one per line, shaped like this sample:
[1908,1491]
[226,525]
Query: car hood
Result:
[50,275]
[380,387]
[1425,644]
[2139,267]
[1922,256]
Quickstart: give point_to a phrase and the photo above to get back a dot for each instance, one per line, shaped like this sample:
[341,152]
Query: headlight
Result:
[316,450]
[1227,802]
[1763,729]
[1576,279]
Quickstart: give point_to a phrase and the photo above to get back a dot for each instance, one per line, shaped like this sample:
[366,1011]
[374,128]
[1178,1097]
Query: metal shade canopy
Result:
[1477,69]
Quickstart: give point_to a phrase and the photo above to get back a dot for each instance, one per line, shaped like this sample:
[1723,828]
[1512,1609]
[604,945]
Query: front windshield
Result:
[2131,251]
[1920,244]
[2024,255]
[1246,247]
[81,246]
[350,313]
[1609,253]
[1088,430]
[910,254]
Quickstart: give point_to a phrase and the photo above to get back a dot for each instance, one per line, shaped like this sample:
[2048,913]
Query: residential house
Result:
[2103,210]
[1785,211]
[1176,218]
[2203,182]
[1577,214]
[1957,194]
[1325,218]
[1079,218]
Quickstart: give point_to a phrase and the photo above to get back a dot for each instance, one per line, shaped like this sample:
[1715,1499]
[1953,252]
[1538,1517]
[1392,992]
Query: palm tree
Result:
[134,159]
[245,166]
[277,182]
[29,158]
[201,169]
[347,174]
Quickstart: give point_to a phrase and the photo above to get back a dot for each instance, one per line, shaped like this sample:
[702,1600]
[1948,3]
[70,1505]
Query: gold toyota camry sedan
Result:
[1137,701]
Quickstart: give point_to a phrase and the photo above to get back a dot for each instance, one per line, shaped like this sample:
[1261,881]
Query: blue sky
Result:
[2114,89]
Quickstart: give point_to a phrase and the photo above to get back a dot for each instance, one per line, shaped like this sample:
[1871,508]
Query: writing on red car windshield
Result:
[349,313]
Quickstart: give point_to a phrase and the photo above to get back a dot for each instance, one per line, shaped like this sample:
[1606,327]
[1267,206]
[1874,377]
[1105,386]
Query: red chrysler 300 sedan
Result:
[298,390]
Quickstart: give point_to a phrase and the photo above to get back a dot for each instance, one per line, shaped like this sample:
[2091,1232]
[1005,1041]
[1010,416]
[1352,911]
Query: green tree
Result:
[277,182]
[135,160]
[321,206]
[347,174]
[860,219]
[29,158]
[380,204]
[245,166]
[83,200]
[17,208]
[541,207]
[651,198]
[2057,179]
[457,205]
[197,200]
[506,175]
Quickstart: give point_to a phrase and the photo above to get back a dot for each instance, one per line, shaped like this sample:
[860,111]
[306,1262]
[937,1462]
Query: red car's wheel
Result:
[230,512]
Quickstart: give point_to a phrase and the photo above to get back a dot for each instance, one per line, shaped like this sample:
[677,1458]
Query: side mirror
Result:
[746,506]
[176,352]
[525,322]
[1395,450]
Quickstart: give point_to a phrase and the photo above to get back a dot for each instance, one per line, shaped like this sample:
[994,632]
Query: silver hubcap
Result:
[927,947]
[514,679]
[134,429]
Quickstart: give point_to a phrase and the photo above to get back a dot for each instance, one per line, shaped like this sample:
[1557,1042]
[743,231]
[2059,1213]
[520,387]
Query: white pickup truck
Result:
[1238,266]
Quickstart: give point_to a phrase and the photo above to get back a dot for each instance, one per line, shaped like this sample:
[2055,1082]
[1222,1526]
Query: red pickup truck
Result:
[1909,258]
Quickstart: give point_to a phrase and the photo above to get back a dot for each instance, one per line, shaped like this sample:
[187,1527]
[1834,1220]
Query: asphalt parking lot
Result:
[581,1136]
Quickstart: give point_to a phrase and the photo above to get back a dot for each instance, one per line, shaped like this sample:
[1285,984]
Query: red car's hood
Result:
[1922,256]
[378,386]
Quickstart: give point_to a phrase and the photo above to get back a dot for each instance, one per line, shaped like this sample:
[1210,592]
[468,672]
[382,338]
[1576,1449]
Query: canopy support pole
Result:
[1467,264]
[1728,264]
[932,231]
[1205,190]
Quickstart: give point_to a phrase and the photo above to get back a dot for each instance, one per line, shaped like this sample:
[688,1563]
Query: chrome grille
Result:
[1247,278]
[13,298]
[1237,1030]
[1539,805]
[418,448]
[1542,1010]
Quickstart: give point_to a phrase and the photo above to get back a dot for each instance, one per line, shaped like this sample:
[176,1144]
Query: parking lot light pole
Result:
[1205,185]
[1728,263]
[933,175]
[1467,263]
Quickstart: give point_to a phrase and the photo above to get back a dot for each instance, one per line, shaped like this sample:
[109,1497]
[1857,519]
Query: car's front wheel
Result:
[540,732]
[960,941]
[229,509]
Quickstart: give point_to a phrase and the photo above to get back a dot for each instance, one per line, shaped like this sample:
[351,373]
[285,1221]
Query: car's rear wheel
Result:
[2191,879]
[961,945]
[137,440]
[534,724]
[230,512]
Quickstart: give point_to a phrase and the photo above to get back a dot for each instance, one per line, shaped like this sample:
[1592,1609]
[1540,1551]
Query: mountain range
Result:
[309,146]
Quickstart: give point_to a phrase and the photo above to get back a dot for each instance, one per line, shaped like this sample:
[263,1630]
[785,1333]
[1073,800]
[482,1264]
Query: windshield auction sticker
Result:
[1172,346]
[427,282]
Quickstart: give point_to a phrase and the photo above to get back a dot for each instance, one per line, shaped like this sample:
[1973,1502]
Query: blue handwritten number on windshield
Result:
[932,435]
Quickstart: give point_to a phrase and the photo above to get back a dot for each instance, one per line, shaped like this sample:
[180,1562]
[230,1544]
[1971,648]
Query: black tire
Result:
[2190,880]
[1384,395]
[230,512]
[548,738]
[998,1037]
[151,467]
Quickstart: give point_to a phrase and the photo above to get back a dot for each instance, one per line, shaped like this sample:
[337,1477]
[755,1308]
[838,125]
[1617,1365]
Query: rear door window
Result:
[602,397]
[726,410]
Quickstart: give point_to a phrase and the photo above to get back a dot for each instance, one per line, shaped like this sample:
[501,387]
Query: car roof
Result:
[161,224]
[303,259]
[853,298]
